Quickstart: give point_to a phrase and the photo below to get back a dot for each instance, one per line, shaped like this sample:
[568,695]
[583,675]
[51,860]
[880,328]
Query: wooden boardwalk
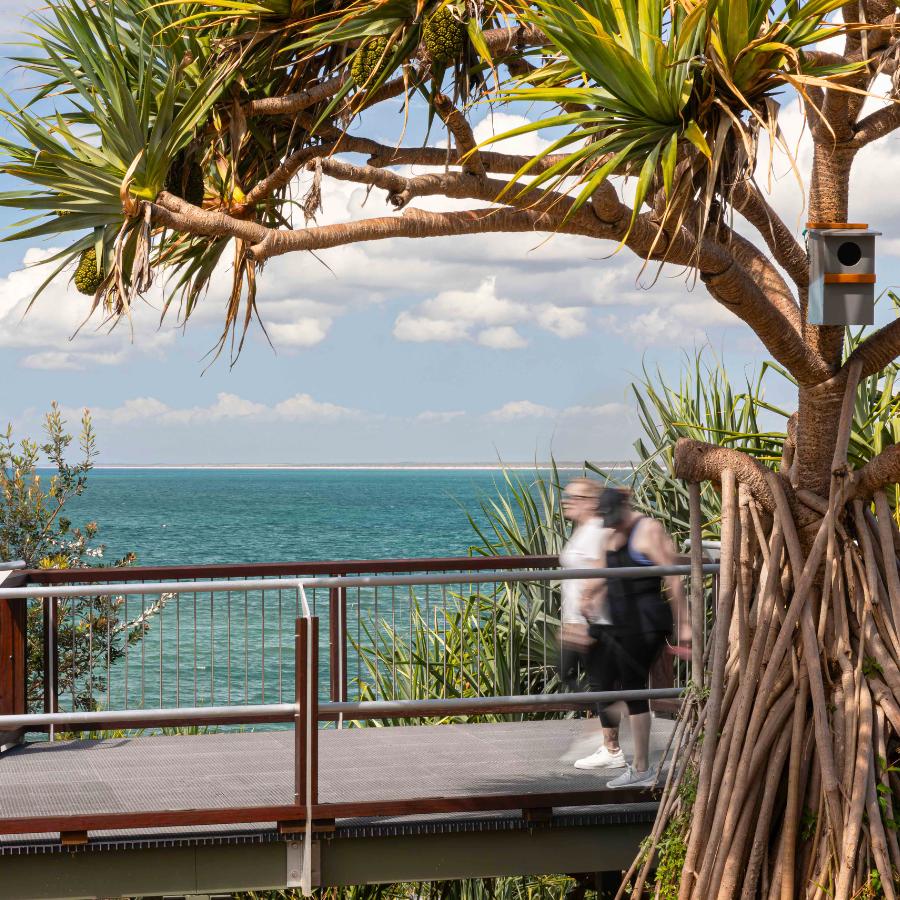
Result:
[366,772]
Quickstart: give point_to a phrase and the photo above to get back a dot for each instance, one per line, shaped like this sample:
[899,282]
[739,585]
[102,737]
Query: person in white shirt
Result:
[583,550]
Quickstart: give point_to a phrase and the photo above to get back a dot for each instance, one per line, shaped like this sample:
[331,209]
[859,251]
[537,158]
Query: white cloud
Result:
[305,332]
[457,314]
[604,409]
[481,306]
[48,327]
[227,407]
[409,327]
[520,409]
[431,416]
[495,123]
[63,359]
[303,408]
[503,337]
[527,409]
[563,321]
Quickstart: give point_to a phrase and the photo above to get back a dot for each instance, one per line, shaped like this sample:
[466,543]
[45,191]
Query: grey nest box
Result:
[841,274]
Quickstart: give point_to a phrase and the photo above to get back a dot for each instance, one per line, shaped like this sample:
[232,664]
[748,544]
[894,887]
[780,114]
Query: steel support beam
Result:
[231,867]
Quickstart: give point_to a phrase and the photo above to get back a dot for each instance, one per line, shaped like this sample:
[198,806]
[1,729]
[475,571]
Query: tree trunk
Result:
[782,787]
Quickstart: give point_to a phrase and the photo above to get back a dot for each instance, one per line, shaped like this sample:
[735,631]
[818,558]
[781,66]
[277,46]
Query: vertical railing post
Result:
[51,656]
[13,653]
[306,742]
[306,716]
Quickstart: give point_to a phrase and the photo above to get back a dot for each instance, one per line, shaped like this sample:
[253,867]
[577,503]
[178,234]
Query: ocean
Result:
[196,516]
[237,646]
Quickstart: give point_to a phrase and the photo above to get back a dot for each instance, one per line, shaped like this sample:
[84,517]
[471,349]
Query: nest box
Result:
[841,274]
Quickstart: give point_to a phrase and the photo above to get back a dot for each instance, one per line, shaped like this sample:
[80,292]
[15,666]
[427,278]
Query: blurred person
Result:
[578,611]
[635,621]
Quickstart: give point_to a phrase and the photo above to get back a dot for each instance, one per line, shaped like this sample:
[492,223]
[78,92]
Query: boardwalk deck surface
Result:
[256,768]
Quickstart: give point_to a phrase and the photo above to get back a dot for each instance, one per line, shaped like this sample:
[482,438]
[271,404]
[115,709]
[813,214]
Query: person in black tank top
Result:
[638,619]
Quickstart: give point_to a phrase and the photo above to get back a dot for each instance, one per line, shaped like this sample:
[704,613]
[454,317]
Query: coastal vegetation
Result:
[797,720]
[36,483]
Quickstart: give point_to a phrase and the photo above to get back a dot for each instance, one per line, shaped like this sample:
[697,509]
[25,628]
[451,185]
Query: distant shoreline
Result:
[367,467]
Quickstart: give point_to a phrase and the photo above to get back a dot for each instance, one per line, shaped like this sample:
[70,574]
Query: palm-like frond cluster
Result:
[126,103]
[675,93]
[129,99]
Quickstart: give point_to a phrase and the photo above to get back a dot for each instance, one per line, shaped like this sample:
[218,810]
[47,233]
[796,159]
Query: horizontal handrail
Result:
[271,584]
[139,718]
[401,709]
[272,569]
[362,711]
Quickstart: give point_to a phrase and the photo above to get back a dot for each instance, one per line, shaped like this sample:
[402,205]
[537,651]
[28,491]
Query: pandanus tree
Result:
[169,138]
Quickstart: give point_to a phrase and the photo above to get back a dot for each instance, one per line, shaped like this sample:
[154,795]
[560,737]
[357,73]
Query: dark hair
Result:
[612,504]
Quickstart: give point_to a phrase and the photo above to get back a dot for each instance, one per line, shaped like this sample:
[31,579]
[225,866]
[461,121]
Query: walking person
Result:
[578,659]
[636,621]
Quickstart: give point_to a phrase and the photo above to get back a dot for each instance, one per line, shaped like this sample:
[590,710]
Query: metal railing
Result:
[301,674]
[222,635]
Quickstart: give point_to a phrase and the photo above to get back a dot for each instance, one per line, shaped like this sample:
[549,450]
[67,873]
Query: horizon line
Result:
[606,464]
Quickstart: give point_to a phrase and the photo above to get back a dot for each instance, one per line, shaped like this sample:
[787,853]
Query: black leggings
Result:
[622,662]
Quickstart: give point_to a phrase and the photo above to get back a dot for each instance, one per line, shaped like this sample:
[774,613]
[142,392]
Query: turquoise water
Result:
[238,647]
[210,516]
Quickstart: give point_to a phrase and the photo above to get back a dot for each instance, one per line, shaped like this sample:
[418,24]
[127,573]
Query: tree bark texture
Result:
[796,721]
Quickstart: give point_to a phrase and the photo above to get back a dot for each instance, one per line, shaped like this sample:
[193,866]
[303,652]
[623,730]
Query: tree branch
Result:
[721,263]
[500,42]
[457,125]
[699,461]
[784,247]
[879,472]
[877,124]
[173,212]
[878,350]
[284,174]
[288,104]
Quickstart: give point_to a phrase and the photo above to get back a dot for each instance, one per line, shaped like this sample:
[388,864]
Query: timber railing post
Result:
[13,652]
[306,747]
[306,716]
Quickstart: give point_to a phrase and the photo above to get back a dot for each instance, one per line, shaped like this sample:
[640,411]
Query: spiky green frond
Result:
[674,94]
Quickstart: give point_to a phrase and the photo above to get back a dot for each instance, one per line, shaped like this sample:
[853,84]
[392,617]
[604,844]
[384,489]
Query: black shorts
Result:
[623,662]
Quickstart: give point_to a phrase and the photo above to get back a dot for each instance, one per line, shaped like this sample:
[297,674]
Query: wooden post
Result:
[337,643]
[13,656]
[306,717]
[301,669]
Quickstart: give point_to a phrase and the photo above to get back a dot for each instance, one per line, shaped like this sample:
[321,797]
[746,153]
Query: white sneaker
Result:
[632,778]
[602,758]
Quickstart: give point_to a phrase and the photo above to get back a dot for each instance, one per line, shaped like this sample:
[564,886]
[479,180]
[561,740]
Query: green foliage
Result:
[485,642]
[32,526]
[91,631]
[656,84]
[537,887]
[706,406]
[130,94]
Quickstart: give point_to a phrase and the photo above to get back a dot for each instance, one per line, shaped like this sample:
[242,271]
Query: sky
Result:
[445,350]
